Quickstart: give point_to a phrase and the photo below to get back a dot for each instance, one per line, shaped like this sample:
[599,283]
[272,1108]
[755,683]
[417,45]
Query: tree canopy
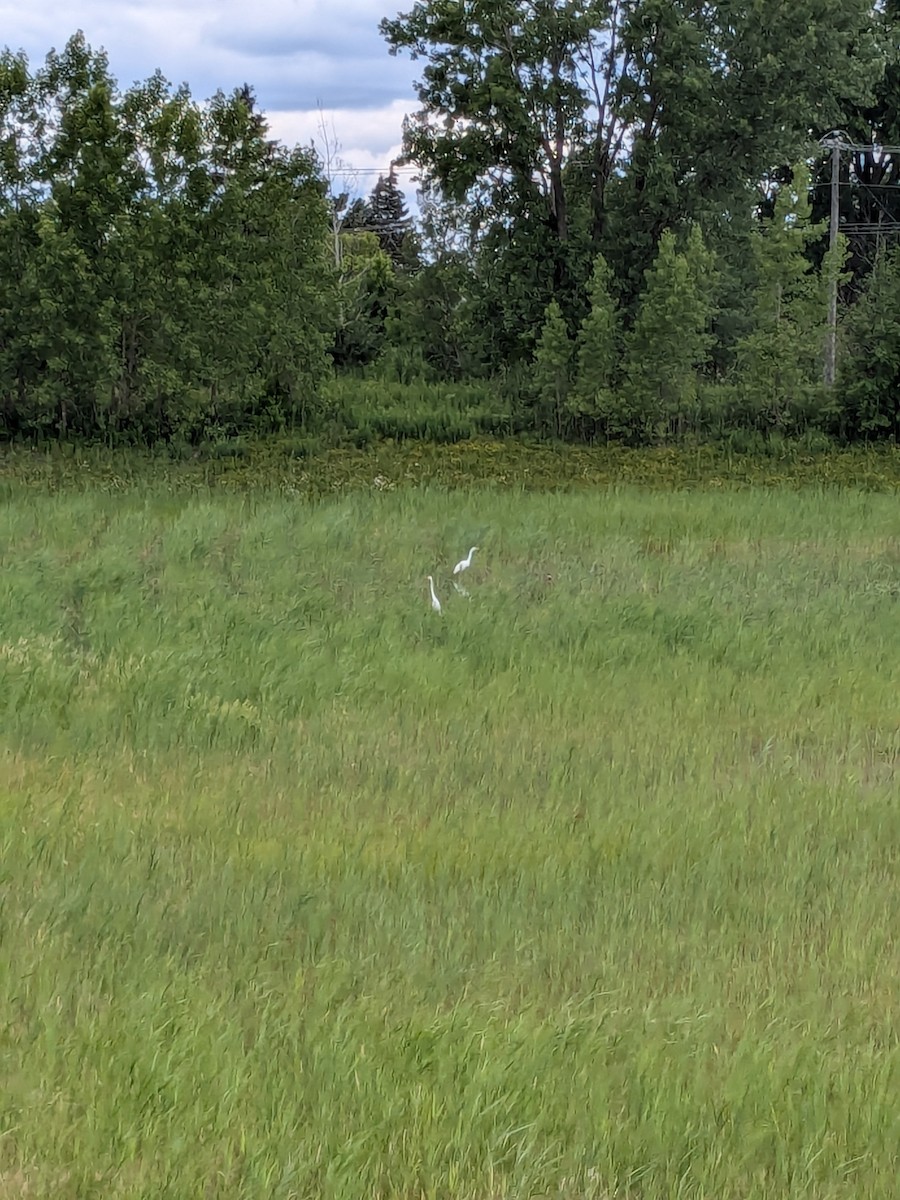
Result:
[161,261]
[538,108]
[620,228]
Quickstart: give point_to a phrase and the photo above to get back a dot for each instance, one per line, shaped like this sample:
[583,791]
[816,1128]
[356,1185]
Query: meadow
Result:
[585,889]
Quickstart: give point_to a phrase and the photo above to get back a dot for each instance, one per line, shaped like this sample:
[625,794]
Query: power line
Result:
[349,169]
[857,183]
[837,142]
[844,144]
[862,147]
[870,227]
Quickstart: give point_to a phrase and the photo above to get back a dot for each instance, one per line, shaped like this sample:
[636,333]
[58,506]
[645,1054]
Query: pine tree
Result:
[357,215]
[388,218]
[670,339]
[779,363]
[869,375]
[553,368]
[597,352]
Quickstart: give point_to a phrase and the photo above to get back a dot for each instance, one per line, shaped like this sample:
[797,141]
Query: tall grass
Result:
[585,888]
[362,411]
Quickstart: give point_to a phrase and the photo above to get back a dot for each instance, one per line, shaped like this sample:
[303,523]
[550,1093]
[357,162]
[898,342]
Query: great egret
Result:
[435,603]
[464,563]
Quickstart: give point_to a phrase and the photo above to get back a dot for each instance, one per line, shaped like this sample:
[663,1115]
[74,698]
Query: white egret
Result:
[435,603]
[464,563]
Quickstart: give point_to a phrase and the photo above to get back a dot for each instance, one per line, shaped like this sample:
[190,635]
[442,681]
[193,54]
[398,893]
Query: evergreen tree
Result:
[553,361]
[357,216]
[598,347]
[670,340]
[377,244]
[779,363]
[869,375]
[388,218]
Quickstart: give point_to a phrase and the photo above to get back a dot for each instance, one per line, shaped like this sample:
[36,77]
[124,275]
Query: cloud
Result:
[296,54]
[366,141]
[333,42]
[312,87]
[354,131]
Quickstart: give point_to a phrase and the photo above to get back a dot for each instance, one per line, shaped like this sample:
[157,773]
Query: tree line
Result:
[621,228]
[629,208]
[161,261]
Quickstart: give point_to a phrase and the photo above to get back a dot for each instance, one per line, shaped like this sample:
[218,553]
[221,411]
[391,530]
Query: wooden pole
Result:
[833,229]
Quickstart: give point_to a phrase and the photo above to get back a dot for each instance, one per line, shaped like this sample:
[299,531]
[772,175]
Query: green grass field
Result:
[585,888]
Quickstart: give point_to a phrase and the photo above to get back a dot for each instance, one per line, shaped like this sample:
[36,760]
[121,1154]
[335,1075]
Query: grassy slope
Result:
[586,888]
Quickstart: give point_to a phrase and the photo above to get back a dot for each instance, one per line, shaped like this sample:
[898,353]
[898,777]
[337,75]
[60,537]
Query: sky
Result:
[300,56]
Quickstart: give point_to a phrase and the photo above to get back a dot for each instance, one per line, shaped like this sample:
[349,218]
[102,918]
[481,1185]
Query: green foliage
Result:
[670,341]
[717,98]
[429,330]
[388,218]
[868,196]
[368,288]
[585,890]
[870,371]
[361,412]
[162,263]
[553,367]
[377,255]
[517,273]
[498,92]
[432,331]
[347,457]
[599,347]
[779,364]
[615,121]
[166,269]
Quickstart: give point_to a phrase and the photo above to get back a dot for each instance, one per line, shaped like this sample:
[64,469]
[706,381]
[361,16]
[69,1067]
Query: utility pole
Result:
[833,230]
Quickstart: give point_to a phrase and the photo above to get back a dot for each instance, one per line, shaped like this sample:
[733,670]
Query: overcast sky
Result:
[297,54]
